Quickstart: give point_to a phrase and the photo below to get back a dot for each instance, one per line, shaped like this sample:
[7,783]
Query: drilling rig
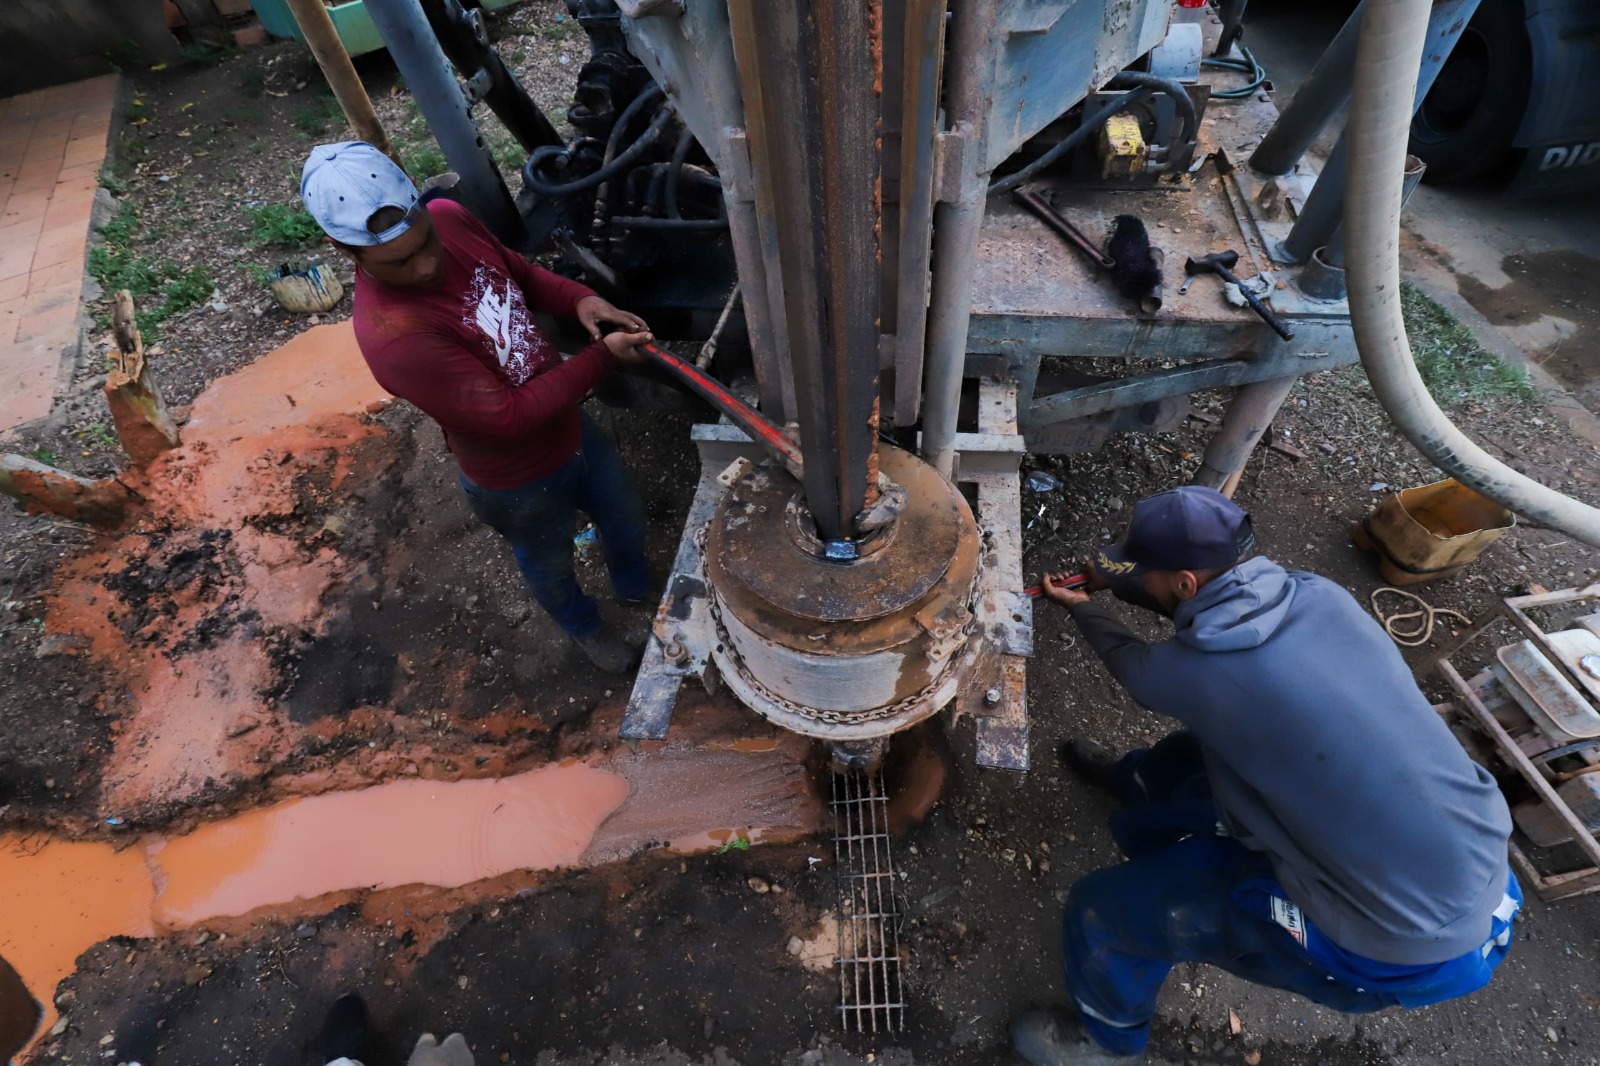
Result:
[887,219]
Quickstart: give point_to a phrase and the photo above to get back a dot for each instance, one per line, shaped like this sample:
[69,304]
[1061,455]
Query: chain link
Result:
[893,710]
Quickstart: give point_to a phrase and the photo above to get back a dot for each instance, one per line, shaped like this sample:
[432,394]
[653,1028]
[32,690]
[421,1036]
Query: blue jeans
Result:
[1180,897]
[539,518]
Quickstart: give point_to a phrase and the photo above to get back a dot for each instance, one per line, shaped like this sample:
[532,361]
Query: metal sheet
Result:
[1003,742]
[683,616]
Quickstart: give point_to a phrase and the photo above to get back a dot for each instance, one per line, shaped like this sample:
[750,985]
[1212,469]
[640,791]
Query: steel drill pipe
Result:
[813,134]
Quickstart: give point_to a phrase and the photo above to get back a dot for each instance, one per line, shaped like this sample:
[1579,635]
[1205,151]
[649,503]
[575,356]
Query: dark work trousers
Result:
[1178,898]
[539,518]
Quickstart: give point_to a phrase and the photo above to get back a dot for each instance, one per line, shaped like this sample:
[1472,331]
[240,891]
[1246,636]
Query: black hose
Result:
[679,153]
[645,222]
[1073,139]
[1173,88]
[606,172]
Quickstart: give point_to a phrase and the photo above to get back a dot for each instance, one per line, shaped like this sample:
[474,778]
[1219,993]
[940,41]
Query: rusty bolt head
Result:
[676,653]
[992,697]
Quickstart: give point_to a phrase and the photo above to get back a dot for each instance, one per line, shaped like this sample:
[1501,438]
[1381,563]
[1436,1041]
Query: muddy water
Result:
[402,833]
[1551,309]
[57,899]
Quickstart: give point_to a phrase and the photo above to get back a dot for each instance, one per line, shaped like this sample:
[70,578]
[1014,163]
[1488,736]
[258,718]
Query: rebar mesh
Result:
[871,993]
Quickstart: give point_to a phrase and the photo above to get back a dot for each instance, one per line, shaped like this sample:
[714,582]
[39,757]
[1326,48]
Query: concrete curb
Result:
[1561,403]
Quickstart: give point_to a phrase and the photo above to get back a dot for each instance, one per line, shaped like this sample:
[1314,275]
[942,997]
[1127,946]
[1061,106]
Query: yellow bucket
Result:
[1431,532]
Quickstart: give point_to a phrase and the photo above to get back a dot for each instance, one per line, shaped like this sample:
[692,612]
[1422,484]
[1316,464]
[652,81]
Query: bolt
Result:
[676,653]
[992,698]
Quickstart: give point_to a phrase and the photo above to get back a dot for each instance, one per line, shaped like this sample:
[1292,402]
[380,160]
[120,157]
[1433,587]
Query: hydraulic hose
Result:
[1387,60]
[613,163]
[1073,139]
[1134,79]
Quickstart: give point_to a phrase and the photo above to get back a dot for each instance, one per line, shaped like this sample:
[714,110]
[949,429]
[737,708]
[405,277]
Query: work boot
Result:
[609,652]
[1090,761]
[429,1052]
[345,1030]
[1044,1038]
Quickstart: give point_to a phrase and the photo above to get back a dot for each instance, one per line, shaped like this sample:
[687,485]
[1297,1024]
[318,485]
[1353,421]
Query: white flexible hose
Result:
[1387,60]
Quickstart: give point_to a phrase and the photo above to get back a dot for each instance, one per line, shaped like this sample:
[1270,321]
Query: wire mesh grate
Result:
[871,992]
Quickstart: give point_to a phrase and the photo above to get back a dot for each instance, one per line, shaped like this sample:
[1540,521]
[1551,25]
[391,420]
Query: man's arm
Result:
[452,387]
[1124,653]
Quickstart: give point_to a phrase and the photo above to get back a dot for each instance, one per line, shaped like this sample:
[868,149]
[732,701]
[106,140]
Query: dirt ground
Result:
[424,656]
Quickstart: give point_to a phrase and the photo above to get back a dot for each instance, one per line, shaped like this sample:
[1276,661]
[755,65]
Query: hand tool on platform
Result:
[1221,264]
[1073,581]
[1070,233]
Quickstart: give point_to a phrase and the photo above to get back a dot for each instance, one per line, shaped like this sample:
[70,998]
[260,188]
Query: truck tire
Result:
[1463,129]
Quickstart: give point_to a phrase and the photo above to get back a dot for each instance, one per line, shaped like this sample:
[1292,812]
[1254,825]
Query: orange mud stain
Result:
[191,719]
[400,833]
[58,899]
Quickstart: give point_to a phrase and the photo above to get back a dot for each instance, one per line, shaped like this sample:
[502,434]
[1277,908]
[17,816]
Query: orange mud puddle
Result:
[309,854]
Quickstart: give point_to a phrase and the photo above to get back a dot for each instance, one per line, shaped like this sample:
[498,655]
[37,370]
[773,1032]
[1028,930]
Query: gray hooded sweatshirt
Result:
[1322,753]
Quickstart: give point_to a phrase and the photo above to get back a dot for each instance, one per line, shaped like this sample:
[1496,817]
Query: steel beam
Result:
[415,50]
[811,131]
[1324,208]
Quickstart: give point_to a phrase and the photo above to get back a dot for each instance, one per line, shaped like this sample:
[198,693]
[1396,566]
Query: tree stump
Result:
[140,415]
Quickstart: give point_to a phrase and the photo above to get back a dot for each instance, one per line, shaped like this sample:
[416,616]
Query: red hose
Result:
[739,413]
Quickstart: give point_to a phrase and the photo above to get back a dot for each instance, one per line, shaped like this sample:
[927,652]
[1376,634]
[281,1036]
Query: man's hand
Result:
[625,346]
[593,310]
[1097,580]
[1055,590]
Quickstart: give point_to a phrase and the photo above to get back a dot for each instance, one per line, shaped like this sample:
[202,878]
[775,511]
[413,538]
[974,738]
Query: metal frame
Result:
[681,639]
[1513,608]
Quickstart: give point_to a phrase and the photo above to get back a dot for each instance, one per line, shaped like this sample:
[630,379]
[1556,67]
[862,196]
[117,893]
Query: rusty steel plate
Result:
[751,545]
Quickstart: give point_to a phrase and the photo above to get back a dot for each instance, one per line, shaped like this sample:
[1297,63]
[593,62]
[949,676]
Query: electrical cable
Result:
[1246,65]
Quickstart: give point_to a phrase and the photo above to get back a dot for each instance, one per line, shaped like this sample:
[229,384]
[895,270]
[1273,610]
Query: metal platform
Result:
[1035,297]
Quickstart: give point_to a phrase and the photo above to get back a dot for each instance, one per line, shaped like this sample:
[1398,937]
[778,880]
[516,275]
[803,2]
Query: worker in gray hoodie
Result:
[1314,826]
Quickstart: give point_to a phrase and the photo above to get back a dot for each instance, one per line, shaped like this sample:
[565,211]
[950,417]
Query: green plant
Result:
[281,224]
[736,844]
[43,455]
[206,52]
[253,82]
[125,54]
[423,161]
[110,182]
[317,116]
[1452,363]
[98,434]
[516,57]
[506,151]
[187,290]
[259,274]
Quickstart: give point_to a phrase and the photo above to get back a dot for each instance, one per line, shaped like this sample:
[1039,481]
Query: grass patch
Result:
[422,160]
[1450,360]
[159,290]
[43,455]
[110,182]
[280,224]
[253,82]
[206,53]
[322,112]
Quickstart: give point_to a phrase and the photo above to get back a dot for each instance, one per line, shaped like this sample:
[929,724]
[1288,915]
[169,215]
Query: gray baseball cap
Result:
[345,184]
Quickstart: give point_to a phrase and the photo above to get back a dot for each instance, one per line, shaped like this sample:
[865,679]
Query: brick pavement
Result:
[52,146]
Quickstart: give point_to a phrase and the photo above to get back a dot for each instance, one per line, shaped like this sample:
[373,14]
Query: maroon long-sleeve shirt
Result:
[467,353]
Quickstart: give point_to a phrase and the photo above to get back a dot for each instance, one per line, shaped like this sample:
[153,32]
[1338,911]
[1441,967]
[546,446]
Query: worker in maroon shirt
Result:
[442,318]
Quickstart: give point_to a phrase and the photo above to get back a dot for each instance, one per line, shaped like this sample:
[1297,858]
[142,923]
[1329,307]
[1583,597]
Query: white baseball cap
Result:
[344,184]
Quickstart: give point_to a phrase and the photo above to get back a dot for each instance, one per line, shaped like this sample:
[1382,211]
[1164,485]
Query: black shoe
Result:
[345,1031]
[1043,1038]
[1089,760]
